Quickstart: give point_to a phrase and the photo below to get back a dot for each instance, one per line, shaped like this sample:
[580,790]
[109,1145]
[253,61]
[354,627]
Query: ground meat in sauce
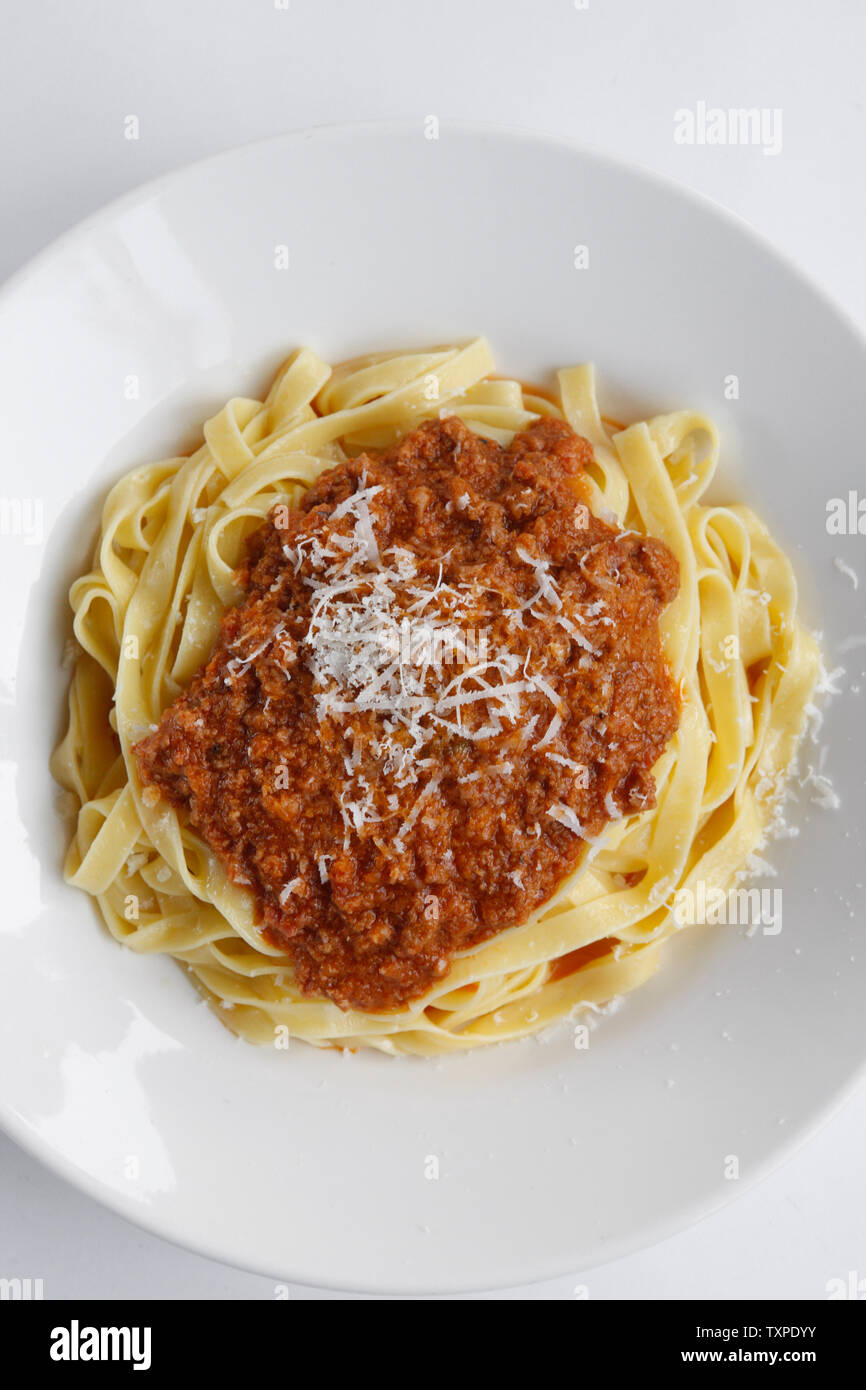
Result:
[376,851]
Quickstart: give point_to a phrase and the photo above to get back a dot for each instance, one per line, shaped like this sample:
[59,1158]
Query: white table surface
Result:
[206,74]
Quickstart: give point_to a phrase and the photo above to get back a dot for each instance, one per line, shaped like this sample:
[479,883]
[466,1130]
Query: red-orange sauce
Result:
[576,960]
[378,842]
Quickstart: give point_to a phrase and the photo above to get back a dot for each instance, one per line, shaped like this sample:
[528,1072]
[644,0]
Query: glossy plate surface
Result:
[114,346]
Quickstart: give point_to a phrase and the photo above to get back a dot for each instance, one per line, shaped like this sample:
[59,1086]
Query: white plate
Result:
[309,1165]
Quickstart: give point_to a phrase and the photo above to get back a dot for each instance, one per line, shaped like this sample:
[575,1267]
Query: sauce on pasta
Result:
[445,679]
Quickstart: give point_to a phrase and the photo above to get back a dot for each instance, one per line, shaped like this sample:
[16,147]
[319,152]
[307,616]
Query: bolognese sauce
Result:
[445,679]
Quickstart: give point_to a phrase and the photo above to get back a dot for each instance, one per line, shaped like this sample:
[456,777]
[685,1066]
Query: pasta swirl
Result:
[147,615]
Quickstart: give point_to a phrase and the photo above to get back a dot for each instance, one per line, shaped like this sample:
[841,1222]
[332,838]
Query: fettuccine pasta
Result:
[147,615]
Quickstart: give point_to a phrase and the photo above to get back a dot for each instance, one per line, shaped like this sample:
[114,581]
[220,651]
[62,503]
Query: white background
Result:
[205,74]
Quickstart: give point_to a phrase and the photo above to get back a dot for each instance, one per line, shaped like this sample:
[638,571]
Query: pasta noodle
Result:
[147,616]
